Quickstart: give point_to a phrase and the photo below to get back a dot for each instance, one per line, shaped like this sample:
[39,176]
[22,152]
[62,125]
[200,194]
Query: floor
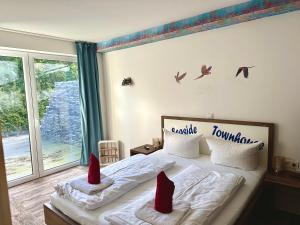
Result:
[26,200]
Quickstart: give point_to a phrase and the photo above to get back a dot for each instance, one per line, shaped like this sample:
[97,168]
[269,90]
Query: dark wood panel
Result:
[5,217]
[287,199]
[277,206]
[55,217]
[142,150]
[285,189]
[284,178]
[237,122]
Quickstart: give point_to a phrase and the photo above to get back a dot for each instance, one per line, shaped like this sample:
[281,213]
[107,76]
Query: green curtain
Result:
[91,123]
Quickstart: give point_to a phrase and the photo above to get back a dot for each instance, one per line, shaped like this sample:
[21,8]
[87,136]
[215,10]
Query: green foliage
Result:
[14,120]
[13,112]
[13,117]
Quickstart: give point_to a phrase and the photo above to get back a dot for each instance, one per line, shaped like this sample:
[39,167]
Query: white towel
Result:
[81,183]
[148,214]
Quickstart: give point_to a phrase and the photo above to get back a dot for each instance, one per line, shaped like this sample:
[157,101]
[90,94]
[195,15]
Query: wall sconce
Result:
[127,81]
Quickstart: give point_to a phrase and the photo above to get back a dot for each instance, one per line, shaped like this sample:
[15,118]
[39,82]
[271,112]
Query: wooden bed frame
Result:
[55,217]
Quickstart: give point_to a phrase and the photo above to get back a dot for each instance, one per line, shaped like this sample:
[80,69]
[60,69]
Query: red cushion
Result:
[164,194]
[94,170]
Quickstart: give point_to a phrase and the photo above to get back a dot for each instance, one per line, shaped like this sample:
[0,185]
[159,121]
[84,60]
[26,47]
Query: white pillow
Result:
[182,145]
[243,156]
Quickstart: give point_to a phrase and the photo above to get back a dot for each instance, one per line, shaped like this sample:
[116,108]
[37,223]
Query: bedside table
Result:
[142,150]
[284,188]
[278,203]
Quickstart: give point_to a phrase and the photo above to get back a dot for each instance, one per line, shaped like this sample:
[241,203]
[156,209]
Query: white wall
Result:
[36,43]
[102,96]
[271,94]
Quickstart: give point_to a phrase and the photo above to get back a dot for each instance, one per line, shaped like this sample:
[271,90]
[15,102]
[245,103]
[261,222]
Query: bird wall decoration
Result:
[204,72]
[245,70]
[127,81]
[178,77]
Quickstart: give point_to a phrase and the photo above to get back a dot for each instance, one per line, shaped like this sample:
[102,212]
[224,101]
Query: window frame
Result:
[30,115]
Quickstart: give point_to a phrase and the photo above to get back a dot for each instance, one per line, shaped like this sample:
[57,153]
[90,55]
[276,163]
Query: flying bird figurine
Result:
[245,70]
[178,77]
[204,71]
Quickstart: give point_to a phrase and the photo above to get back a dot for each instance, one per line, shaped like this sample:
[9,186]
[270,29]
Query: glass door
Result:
[39,114]
[16,118]
[56,101]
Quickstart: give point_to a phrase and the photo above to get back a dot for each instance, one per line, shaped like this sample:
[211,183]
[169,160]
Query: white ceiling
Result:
[97,20]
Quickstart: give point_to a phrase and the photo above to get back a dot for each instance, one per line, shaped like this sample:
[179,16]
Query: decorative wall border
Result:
[251,10]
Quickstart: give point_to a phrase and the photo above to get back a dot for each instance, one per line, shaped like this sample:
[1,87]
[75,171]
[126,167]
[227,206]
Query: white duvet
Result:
[206,191]
[126,174]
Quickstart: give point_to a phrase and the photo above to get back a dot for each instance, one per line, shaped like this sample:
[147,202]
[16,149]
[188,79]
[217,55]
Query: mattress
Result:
[227,216]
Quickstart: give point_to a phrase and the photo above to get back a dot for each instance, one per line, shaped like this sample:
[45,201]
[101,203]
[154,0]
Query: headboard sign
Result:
[235,131]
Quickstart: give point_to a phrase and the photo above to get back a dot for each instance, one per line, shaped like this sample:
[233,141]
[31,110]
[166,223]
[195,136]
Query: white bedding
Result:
[227,216]
[126,175]
[206,191]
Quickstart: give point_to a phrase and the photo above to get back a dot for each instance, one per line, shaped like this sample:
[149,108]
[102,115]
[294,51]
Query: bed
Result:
[62,212]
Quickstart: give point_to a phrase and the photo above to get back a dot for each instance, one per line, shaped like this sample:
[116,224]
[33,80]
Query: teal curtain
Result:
[90,109]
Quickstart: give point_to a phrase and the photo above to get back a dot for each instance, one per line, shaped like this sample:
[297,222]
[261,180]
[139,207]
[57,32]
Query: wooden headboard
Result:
[230,130]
